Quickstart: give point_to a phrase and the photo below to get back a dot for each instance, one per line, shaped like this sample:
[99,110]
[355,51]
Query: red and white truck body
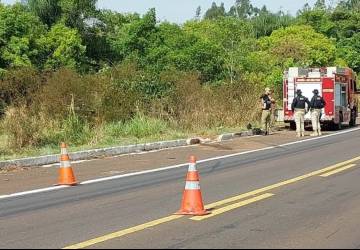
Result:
[336,85]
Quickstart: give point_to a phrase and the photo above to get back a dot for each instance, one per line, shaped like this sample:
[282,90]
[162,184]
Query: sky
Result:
[179,11]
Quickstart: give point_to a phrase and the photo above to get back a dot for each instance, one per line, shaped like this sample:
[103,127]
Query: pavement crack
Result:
[332,234]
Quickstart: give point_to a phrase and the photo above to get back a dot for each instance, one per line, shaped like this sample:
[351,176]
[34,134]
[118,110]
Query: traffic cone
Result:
[192,202]
[66,173]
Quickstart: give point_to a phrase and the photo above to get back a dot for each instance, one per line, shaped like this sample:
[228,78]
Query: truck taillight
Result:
[287,112]
[330,113]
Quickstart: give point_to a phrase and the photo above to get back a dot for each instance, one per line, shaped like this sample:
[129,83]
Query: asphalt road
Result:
[304,195]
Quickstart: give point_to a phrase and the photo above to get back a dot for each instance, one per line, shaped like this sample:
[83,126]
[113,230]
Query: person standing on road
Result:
[273,110]
[317,104]
[266,105]
[299,109]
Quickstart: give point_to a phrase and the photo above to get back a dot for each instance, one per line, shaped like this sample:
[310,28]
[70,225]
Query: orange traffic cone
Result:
[192,203]
[66,174]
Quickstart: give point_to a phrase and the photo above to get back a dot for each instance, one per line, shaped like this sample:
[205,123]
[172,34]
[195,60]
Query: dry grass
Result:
[125,104]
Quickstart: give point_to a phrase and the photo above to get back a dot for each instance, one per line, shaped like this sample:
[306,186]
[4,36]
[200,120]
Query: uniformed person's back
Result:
[317,104]
[299,109]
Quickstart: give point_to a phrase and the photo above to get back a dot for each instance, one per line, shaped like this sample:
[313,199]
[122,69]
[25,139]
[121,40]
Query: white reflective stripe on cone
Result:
[65,164]
[63,151]
[192,185]
[192,167]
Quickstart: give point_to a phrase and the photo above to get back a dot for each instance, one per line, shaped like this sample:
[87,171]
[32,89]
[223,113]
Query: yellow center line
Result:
[280,184]
[338,170]
[124,232]
[210,206]
[232,207]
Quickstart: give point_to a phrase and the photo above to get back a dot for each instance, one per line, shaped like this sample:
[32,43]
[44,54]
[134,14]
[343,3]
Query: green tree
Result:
[100,36]
[198,13]
[133,38]
[300,45]
[320,5]
[320,19]
[347,22]
[266,22]
[75,11]
[215,11]
[349,49]
[49,11]
[233,37]
[19,30]
[72,11]
[61,47]
[242,9]
[341,23]
[172,47]
[350,4]
[18,52]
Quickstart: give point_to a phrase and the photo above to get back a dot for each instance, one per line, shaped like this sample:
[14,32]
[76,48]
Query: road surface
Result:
[302,195]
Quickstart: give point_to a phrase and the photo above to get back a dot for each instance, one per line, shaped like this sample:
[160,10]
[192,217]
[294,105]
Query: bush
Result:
[123,103]
[27,129]
[23,128]
[130,90]
[18,86]
[195,107]
[65,88]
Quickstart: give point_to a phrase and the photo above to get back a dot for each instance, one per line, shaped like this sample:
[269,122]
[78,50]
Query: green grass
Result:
[140,129]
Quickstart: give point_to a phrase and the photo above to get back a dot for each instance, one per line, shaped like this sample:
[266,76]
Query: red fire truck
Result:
[337,86]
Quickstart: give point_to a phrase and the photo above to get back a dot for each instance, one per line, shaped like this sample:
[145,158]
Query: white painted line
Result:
[51,165]
[277,146]
[321,137]
[133,174]
[175,166]
[36,191]
[171,167]
[175,148]
[73,163]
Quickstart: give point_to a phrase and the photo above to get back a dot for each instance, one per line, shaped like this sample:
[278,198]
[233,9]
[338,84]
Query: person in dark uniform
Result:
[266,105]
[299,108]
[317,104]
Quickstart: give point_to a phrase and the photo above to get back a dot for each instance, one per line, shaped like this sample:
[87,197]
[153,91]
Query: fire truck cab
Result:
[336,85]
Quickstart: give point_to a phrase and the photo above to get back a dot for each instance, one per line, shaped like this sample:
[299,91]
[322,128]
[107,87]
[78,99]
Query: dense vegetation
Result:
[70,71]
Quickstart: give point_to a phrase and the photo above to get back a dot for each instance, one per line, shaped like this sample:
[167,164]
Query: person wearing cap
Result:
[299,108]
[317,104]
[266,104]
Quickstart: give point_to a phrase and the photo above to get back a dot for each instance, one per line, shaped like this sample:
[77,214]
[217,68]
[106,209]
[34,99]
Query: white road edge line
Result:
[117,156]
[37,191]
[43,190]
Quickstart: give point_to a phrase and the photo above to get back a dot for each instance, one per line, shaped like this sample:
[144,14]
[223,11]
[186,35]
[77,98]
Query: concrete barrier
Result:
[96,153]
[231,136]
[114,151]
